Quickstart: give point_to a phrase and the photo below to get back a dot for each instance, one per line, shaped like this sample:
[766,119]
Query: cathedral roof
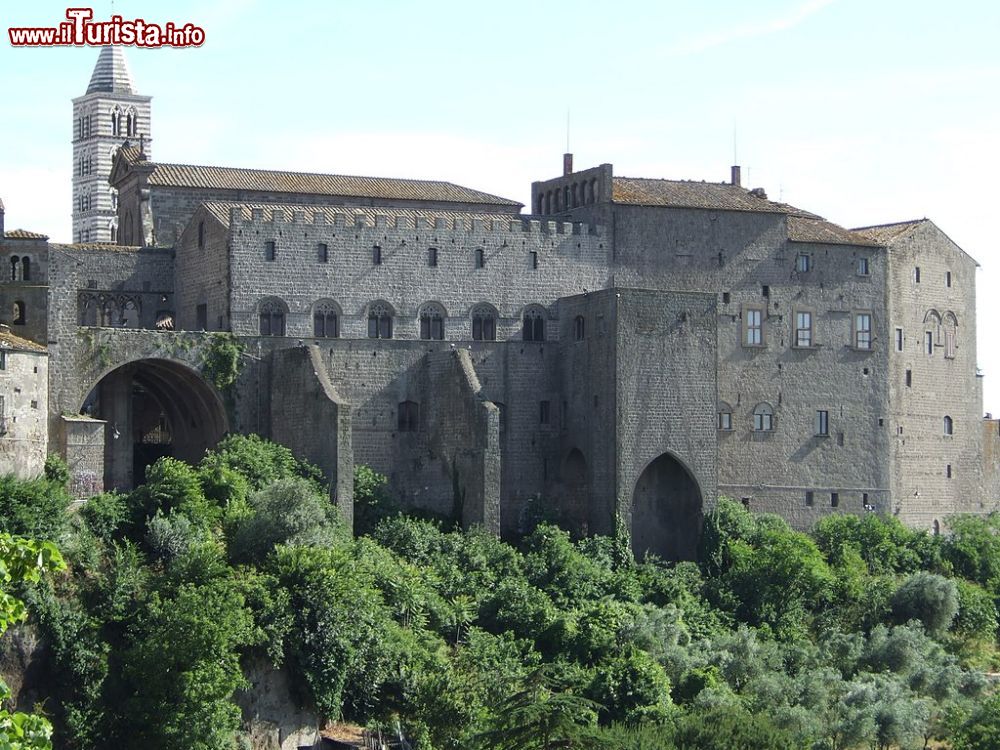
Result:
[721,196]
[334,185]
[111,74]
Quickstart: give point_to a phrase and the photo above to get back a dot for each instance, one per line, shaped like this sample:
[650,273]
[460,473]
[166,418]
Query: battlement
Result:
[250,215]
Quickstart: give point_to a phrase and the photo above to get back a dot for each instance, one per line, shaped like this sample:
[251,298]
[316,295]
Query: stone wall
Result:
[23,423]
[82,447]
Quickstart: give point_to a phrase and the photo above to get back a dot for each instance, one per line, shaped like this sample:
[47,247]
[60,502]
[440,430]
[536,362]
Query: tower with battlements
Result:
[110,113]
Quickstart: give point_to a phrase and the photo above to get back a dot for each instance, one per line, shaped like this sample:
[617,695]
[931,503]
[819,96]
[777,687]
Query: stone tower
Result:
[110,113]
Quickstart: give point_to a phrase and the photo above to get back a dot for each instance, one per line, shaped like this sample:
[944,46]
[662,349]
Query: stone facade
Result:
[23,403]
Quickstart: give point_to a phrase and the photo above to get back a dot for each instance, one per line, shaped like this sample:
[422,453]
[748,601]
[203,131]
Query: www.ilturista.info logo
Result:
[79,30]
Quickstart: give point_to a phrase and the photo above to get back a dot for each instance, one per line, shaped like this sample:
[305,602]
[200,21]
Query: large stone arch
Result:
[153,407]
[574,493]
[666,510]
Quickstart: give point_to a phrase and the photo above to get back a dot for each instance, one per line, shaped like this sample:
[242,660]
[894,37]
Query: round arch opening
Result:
[666,511]
[153,408]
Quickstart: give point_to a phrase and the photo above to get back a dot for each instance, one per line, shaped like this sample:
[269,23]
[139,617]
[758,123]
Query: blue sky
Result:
[865,112]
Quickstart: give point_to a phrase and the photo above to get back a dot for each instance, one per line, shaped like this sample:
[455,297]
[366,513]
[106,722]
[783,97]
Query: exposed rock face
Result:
[272,718]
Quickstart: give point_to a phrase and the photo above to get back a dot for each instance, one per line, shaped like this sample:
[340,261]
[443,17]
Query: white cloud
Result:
[715,39]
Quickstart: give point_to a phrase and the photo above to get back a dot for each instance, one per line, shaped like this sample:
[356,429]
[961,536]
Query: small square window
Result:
[725,420]
[863,269]
[725,298]
[803,262]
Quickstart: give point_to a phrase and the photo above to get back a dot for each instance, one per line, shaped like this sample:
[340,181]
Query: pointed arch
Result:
[326,319]
[432,317]
[380,319]
[271,316]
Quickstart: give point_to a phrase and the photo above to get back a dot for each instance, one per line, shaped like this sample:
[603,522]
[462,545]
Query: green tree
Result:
[929,598]
[22,561]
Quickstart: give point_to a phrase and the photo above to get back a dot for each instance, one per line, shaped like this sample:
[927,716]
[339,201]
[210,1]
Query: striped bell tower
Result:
[111,112]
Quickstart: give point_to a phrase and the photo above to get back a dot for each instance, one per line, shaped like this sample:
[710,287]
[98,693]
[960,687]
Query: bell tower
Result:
[110,113]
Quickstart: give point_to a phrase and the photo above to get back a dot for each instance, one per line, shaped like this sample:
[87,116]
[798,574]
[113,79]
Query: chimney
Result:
[567,164]
[1,219]
[735,179]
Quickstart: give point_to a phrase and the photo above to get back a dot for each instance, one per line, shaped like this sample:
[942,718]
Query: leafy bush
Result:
[929,598]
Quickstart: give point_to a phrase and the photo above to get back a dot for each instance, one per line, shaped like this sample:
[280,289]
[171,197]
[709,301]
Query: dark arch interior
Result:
[666,511]
[574,502]
[153,408]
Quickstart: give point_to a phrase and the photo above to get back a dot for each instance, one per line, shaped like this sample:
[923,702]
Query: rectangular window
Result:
[834,499]
[948,471]
[534,259]
[803,329]
[725,420]
[269,251]
[376,256]
[754,325]
[3,359]
[899,339]
[909,378]
[929,342]
[432,257]
[809,498]
[947,278]
[543,412]
[949,344]
[480,258]
[863,267]
[579,328]
[803,262]
[916,274]
[862,331]
[201,314]
[322,252]
[766,291]
[725,298]
[823,423]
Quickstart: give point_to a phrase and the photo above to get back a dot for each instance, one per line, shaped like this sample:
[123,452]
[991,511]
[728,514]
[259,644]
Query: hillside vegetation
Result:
[859,634]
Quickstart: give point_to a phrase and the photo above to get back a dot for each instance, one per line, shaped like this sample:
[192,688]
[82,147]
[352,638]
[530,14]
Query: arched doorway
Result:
[666,511]
[153,408]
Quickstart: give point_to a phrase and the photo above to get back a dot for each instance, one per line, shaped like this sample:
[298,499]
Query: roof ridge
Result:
[889,224]
[311,174]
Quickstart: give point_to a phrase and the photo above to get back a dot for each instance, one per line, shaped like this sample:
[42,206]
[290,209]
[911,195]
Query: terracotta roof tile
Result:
[9,340]
[24,234]
[347,186]
[801,229]
[883,234]
[720,196]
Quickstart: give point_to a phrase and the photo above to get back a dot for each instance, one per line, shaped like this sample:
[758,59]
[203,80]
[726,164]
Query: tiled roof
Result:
[886,233]
[111,74]
[24,234]
[9,341]
[348,186]
[720,196]
[801,229]
[221,211]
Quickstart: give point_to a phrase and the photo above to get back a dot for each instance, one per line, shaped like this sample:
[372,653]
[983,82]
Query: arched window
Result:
[113,230]
[272,318]
[130,314]
[88,311]
[116,121]
[932,321]
[480,258]
[534,324]
[326,320]
[379,321]
[950,327]
[19,315]
[725,416]
[432,322]
[15,268]
[131,122]
[763,418]
[949,426]
[484,323]
[936,528]
[408,416]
